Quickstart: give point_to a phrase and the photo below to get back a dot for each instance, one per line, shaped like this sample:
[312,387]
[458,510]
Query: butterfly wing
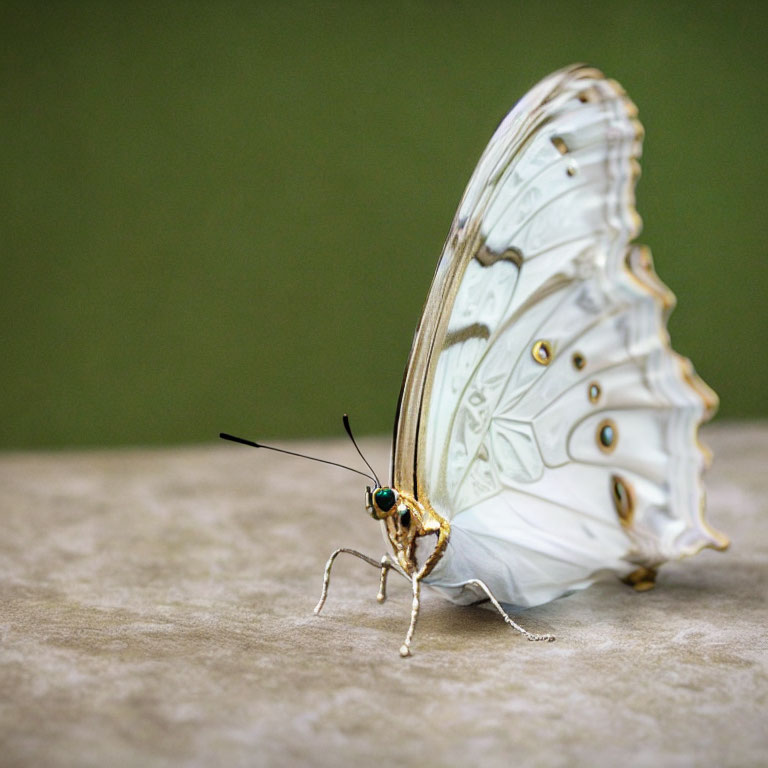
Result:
[543,412]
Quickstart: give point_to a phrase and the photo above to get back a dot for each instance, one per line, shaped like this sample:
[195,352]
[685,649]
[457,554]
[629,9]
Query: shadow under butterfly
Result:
[546,432]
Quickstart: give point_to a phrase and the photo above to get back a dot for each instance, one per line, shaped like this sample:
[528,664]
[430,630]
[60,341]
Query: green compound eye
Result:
[385,499]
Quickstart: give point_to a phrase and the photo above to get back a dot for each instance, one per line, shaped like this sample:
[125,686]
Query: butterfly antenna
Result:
[345,419]
[225,436]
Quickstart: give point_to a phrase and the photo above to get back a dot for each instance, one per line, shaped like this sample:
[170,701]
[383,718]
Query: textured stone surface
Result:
[157,610]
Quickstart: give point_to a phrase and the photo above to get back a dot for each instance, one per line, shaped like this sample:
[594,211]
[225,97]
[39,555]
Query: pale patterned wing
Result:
[543,412]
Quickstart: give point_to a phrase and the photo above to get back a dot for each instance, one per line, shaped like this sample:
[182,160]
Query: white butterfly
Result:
[546,433]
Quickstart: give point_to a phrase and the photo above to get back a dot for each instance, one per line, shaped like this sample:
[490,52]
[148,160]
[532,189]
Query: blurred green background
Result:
[202,204]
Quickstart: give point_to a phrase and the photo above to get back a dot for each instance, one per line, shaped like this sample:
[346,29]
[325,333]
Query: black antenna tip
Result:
[348,429]
[241,440]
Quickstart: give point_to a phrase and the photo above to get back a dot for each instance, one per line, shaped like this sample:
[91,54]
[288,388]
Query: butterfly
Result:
[546,432]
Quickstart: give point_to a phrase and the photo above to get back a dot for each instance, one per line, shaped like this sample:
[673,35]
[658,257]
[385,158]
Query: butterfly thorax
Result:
[407,525]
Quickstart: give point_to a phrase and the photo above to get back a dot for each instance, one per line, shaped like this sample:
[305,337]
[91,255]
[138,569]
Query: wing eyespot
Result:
[623,499]
[578,360]
[607,436]
[593,392]
[542,352]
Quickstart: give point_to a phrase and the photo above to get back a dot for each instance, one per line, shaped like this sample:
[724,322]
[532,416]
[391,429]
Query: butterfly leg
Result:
[385,564]
[405,648]
[514,625]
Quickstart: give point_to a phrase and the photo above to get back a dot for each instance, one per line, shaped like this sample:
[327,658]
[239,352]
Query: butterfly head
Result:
[387,505]
[384,503]
[416,535]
